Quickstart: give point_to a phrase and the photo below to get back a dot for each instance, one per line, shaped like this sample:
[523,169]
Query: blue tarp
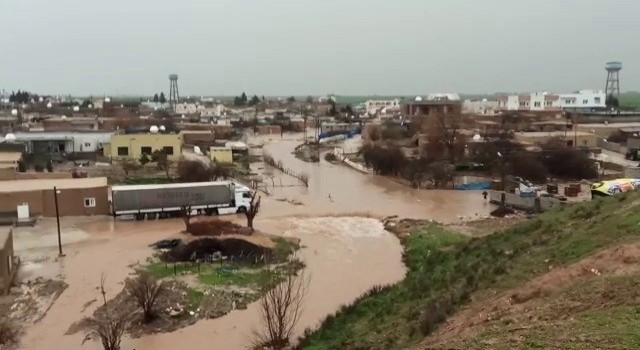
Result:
[348,134]
[474,186]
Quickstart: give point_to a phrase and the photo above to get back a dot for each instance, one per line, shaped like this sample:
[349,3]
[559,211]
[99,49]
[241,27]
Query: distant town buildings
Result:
[544,101]
[432,104]
[480,107]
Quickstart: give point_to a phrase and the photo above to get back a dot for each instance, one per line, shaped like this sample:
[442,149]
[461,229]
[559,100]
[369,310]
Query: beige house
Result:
[76,197]
[133,146]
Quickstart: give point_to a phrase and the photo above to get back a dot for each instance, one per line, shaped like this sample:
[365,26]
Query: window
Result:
[89,202]
[87,144]
[597,100]
[168,150]
[246,195]
[145,150]
[523,104]
[537,104]
[585,102]
[123,151]
[548,103]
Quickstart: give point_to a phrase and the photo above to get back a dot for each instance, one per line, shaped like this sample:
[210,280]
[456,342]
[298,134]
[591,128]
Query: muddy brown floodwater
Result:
[345,252]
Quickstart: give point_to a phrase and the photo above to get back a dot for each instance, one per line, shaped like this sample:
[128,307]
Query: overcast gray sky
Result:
[300,47]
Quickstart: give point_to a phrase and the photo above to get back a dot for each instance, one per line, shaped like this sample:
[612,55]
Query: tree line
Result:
[159,98]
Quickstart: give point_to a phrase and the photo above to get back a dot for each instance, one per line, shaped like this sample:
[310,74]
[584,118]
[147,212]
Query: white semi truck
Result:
[168,200]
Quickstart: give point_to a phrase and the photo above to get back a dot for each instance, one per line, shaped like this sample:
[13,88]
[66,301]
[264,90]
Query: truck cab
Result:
[243,198]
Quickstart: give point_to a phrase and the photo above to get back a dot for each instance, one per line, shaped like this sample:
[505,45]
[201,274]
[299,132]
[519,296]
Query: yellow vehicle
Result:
[611,187]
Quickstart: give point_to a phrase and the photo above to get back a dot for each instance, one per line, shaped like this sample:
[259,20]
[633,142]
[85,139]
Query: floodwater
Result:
[346,253]
[336,189]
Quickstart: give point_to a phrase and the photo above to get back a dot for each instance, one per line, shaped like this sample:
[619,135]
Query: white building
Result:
[544,101]
[214,111]
[378,105]
[583,99]
[480,107]
[63,142]
[189,108]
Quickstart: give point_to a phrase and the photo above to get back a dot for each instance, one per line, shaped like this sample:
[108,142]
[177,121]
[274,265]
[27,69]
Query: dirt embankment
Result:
[524,307]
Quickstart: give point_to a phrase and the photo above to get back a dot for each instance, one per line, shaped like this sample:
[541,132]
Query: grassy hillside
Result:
[448,271]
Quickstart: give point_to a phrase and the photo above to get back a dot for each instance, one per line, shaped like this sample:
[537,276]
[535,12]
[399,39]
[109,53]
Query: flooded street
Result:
[345,252]
[353,193]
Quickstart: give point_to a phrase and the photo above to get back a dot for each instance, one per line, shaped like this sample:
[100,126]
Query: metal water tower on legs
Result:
[613,80]
[174,96]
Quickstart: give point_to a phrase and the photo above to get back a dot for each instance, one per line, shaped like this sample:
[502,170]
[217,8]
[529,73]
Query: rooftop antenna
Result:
[174,96]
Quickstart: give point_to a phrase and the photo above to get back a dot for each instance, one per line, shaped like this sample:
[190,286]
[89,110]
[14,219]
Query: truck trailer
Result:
[168,200]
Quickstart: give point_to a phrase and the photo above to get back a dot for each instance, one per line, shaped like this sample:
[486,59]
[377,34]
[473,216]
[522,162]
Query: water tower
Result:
[174,96]
[613,81]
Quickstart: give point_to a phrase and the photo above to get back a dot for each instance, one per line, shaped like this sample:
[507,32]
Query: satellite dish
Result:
[63,117]
[90,106]
[49,105]
[183,116]
[107,100]
[41,99]
[418,98]
[14,112]
[76,108]
[197,150]
[477,137]
[10,137]
[153,129]
[162,128]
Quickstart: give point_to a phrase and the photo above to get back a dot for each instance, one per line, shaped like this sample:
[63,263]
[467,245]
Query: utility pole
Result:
[55,198]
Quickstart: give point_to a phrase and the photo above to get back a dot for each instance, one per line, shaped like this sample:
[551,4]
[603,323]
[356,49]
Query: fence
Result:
[524,203]
[304,178]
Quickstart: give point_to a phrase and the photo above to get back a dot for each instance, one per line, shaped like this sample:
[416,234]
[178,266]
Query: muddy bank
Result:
[344,257]
[178,306]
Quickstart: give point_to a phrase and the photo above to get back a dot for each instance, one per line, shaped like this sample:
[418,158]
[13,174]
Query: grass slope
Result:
[445,269]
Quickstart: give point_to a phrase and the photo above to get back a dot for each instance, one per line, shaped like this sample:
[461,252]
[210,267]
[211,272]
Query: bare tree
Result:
[186,213]
[252,211]
[108,328]
[193,171]
[280,310]
[129,165]
[145,289]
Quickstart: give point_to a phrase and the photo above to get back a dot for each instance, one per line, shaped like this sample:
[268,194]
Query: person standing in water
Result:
[485,195]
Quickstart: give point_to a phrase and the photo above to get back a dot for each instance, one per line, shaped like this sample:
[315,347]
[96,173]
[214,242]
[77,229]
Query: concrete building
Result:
[221,154]
[581,139]
[63,142]
[189,108]
[8,261]
[58,123]
[372,106]
[132,146]
[604,130]
[76,197]
[544,101]
[9,160]
[432,104]
[480,107]
[584,99]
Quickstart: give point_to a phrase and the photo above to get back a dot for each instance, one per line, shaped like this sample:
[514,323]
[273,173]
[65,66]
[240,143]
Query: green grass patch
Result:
[445,268]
